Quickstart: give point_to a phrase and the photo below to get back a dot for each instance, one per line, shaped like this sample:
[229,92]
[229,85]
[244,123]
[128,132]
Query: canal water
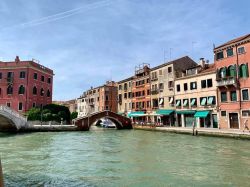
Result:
[123,158]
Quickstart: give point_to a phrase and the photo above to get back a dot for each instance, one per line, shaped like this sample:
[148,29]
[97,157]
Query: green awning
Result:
[193,102]
[201,114]
[164,112]
[136,114]
[203,101]
[185,112]
[120,113]
[178,103]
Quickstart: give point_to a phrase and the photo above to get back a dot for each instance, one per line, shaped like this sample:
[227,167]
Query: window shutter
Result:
[247,71]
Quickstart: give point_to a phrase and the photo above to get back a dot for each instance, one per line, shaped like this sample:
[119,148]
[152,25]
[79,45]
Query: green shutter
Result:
[233,96]
[232,71]
[247,71]
[244,70]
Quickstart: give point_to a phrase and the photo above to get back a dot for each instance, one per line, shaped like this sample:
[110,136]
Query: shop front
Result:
[186,118]
[166,117]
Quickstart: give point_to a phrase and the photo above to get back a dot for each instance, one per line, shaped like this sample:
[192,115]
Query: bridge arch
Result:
[121,122]
[10,120]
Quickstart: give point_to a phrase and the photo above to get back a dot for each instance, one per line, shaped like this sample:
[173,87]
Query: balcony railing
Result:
[226,81]
[154,92]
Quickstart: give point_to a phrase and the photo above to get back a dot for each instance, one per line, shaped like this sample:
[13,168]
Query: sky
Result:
[88,42]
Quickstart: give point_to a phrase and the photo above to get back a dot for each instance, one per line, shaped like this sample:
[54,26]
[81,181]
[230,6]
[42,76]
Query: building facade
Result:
[125,96]
[232,63]
[98,99]
[25,84]
[196,97]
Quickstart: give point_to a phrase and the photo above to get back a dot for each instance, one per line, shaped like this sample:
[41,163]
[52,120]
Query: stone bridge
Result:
[10,120]
[121,122]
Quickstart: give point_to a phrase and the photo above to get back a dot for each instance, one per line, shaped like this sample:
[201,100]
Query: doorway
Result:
[233,120]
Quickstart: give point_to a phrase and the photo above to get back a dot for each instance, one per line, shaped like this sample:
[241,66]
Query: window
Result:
[230,52]
[125,95]
[34,90]
[10,89]
[185,86]
[0,75]
[203,101]
[34,105]
[42,78]
[245,113]
[178,103]
[49,80]
[245,96]
[120,87]
[193,102]
[35,76]
[160,72]
[161,86]
[203,83]
[42,92]
[125,86]
[193,85]
[223,113]
[169,69]
[148,104]
[178,88]
[48,93]
[170,84]
[243,71]
[233,96]
[223,96]
[185,102]
[20,106]
[209,83]
[211,100]
[106,107]
[10,75]
[232,71]
[8,104]
[21,90]
[241,50]
[219,55]
[22,75]
[223,72]
[106,98]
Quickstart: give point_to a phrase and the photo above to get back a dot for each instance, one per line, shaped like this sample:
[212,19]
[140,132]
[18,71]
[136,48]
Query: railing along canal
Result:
[12,112]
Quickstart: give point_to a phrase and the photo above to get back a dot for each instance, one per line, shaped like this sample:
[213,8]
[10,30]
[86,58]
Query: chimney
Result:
[17,59]
[202,62]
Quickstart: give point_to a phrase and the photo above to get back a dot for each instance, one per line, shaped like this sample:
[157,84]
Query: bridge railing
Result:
[12,112]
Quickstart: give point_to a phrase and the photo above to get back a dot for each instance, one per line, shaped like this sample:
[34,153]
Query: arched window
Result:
[243,70]
[223,72]
[21,89]
[232,71]
[42,92]
[10,89]
[48,93]
[34,90]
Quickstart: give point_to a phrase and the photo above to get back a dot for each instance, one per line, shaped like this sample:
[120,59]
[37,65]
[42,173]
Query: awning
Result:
[178,103]
[210,100]
[185,112]
[203,101]
[185,102]
[193,102]
[164,112]
[136,114]
[201,114]
[120,113]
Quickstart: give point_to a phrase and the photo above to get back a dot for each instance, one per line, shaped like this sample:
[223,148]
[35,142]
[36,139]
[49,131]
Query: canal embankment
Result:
[49,128]
[198,131]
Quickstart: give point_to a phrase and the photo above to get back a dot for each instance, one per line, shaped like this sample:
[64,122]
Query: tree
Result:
[73,115]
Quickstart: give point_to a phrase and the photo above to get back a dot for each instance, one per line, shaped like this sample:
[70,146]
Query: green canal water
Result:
[123,158]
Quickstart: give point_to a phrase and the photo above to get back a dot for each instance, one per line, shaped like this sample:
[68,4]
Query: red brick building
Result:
[25,84]
[232,63]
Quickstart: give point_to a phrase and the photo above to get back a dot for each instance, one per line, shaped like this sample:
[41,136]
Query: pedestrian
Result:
[246,126]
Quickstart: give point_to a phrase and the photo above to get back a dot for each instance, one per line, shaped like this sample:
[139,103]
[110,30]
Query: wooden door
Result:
[234,121]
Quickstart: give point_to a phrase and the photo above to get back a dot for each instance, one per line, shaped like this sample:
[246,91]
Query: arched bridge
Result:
[11,120]
[121,122]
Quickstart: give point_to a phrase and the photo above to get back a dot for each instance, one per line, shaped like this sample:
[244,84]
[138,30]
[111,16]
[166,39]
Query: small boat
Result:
[107,124]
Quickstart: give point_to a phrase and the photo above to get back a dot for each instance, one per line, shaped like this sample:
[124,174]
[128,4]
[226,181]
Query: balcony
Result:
[227,81]
[154,78]
[154,92]
[10,79]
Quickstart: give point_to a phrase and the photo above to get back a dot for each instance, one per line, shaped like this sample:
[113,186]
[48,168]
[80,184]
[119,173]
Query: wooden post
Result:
[1,175]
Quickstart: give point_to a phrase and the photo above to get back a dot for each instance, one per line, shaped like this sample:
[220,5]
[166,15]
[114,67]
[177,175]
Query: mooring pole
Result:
[1,175]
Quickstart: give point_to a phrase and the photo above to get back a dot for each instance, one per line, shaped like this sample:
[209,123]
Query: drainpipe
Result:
[1,175]
[237,77]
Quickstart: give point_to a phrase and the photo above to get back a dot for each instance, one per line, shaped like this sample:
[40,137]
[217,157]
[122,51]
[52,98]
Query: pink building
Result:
[25,84]
[233,83]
